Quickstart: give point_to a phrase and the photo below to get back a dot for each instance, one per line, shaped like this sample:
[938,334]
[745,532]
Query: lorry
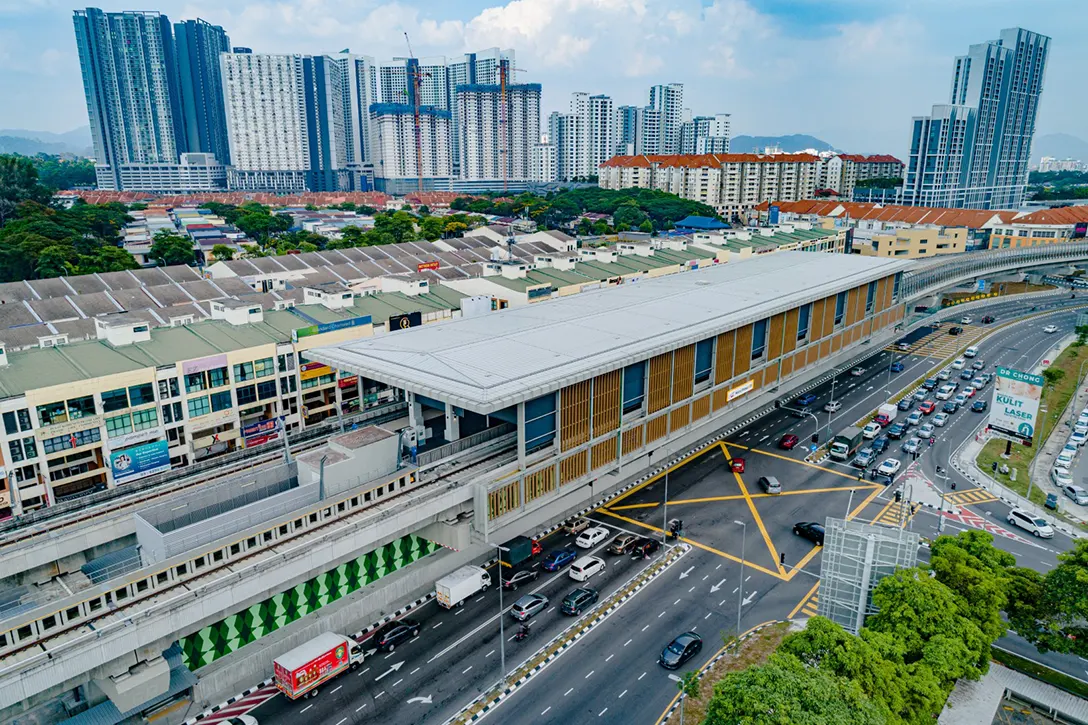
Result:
[517,550]
[301,672]
[885,414]
[845,444]
[453,589]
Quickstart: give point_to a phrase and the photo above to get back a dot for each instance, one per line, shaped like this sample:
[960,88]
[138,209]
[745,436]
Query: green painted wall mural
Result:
[241,628]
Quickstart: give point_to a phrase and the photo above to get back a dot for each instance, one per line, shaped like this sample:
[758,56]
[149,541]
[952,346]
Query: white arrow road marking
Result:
[684,574]
[716,587]
[425,700]
[748,599]
[390,671]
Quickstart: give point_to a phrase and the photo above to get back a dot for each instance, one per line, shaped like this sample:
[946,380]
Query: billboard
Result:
[330,327]
[772,215]
[258,428]
[403,322]
[130,464]
[982,286]
[424,266]
[1015,407]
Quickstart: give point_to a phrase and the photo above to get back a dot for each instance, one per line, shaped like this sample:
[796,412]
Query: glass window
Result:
[167,415]
[118,425]
[243,372]
[30,447]
[144,419]
[264,368]
[288,385]
[704,359]
[247,394]
[16,451]
[114,400]
[870,297]
[759,339]
[195,382]
[217,378]
[539,422]
[803,316]
[895,287]
[142,394]
[74,440]
[24,419]
[10,425]
[286,362]
[52,413]
[81,407]
[221,401]
[634,386]
[168,388]
[840,307]
[266,390]
[199,406]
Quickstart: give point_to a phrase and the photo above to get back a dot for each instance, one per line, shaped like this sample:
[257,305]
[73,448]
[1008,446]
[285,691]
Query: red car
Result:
[537,547]
[882,420]
[927,407]
[788,442]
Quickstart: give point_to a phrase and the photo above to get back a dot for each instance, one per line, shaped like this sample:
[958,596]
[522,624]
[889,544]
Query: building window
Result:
[247,394]
[142,394]
[16,422]
[288,385]
[114,400]
[199,406]
[759,339]
[840,308]
[895,287]
[704,359]
[73,440]
[171,413]
[243,372]
[804,314]
[266,390]
[195,382]
[168,388]
[539,422]
[221,401]
[118,425]
[81,407]
[286,362]
[21,450]
[144,419]
[217,378]
[264,368]
[634,386]
[870,297]
[52,413]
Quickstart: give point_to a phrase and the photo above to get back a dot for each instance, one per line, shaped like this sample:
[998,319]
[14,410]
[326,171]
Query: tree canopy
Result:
[169,248]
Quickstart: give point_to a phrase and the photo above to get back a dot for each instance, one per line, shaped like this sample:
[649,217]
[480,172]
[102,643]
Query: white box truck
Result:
[886,413]
[453,589]
[301,671]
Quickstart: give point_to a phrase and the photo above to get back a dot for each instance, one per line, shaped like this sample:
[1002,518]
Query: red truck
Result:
[301,671]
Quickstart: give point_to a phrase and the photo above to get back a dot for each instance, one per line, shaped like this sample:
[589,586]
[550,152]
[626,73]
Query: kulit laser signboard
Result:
[1015,407]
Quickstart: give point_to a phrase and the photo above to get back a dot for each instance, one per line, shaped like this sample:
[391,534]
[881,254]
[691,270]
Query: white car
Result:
[915,418]
[1050,329]
[940,419]
[889,467]
[946,392]
[870,431]
[1078,439]
[965,320]
[926,431]
[857,372]
[585,567]
[959,363]
[944,374]
[1060,476]
[1065,459]
[1077,493]
[832,406]
[1034,524]
[591,537]
[1081,428]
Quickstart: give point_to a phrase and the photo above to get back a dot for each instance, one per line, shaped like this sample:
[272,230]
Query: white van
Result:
[946,392]
[970,352]
[1034,524]
[584,568]
[958,365]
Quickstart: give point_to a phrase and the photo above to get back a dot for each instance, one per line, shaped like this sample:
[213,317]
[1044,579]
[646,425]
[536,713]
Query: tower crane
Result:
[413,76]
[504,130]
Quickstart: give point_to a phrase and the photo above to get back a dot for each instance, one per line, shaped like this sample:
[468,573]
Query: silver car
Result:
[912,445]
[527,606]
[1077,493]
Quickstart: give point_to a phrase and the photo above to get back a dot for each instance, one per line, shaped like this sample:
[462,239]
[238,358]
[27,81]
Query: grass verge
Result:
[752,651]
[1040,672]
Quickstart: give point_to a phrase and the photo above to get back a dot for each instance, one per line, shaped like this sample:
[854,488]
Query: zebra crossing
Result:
[973,495]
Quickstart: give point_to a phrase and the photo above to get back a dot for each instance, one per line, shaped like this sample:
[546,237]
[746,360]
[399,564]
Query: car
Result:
[898,367]
[960,399]
[967,375]
[914,418]
[930,383]
[586,568]
[940,419]
[622,544]
[927,407]
[832,406]
[903,346]
[879,443]
[896,431]
[1078,438]
[979,406]
[559,558]
[970,352]
[591,537]
[986,320]
[1037,526]
[806,399]
[1081,428]
[1082,420]
[579,600]
[1061,476]
[388,636]
[965,320]
[986,378]
[926,431]
[958,363]
[882,420]
[577,526]
[518,578]
[889,467]
[857,372]
[1077,493]
[870,430]
[864,458]
[240,720]
[1050,329]
[1064,459]
[1070,448]
[969,391]
[978,383]
[680,650]
[769,484]
[644,548]
[527,606]
[945,392]
[920,394]
[950,407]
[810,530]
[978,365]
[955,330]
[788,442]
[912,445]
[944,375]
[905,404]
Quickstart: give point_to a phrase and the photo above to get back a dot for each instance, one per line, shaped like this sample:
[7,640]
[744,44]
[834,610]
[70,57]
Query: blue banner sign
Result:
[136,462]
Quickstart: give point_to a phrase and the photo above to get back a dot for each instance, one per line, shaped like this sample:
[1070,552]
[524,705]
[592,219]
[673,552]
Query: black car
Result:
[905,403]
[390,635]
[979,406]
[516,579]
[680,650]
[577,601]
[645,548]
[810,530]
[879,443]
[950,407]
[955,330]
[896,430]
[987,319]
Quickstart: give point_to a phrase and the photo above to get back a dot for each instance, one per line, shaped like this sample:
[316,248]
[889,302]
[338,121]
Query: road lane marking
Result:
[602,712]
[413,672]
[388,656]
[747,577]
[707,576]
[489,654]
[659,617]
[627,643]
[590,674]
[735,589]
[689,592]
[641,676]
[678,601]
[459,611]
[481,599]
[342,721]
[707,616]
[719,566]
[305,708]
[645,628]
[465,671]
[365,671]
[621,695]
[336,690]
[568,692]
[551,610]
[360,708]
[437,625]
[398,682]
[549,707]
[722,602]
[379,694]
[609,657]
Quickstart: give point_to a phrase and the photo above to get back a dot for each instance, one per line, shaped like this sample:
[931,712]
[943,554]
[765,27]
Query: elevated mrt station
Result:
[594,391]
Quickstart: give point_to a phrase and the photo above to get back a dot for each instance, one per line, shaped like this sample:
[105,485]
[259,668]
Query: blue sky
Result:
[851,72]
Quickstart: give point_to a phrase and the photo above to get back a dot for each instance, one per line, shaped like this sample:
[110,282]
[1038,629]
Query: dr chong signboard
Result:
[1015,407]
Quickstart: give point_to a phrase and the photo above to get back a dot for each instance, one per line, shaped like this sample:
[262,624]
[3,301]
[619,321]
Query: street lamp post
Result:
[740,588]
[665,509]
[1042,442]
[502,618]
[830,413]
[850,503]
[944,489]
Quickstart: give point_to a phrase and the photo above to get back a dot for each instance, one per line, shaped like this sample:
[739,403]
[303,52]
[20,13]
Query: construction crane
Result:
[504,150]
[413,76]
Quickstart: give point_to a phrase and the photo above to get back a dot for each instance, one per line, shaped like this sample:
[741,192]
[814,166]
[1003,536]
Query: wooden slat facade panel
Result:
[853,311]
[883,296]
[539,483]
[657,428]
[829,316]
[789,331]
[799,360]
[504,500]
[757,382]
[813,354]
[723,369]
[606,402]
[816,323]
[742,359]
[700,408]
[681,417]
[573,467]
[660,375]
[683,367]
[632,439]
[574,414]
[770,374]
[604,453]
[836,342]
[774,336]
[825,348]
[720,398]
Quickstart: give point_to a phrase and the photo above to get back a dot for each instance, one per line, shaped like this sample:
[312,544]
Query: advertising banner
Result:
[261,426]
[772,215]
[1015,407]
[403,322]
[330,327]
[348,382]
[739,390]
[130,464]
[424,266]
[204,364]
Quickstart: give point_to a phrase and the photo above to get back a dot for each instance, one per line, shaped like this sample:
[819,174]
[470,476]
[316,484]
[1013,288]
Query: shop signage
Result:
[739,390]
[403,322]
[424,266]
[140,461]
[261,426]
[204,364]
[330,327]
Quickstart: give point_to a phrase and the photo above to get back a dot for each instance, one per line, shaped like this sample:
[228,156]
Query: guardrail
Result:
[939,273]
[463,444]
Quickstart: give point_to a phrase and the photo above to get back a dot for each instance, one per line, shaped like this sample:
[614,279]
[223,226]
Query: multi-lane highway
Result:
[611,675]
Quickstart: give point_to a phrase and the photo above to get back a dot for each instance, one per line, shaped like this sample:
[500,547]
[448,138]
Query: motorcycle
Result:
[522,633]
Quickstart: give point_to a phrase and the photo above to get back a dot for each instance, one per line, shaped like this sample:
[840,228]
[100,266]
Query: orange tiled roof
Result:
[971,218]
[1062,215]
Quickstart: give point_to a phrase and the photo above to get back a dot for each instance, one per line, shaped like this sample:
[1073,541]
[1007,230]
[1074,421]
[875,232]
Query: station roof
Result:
[494,361]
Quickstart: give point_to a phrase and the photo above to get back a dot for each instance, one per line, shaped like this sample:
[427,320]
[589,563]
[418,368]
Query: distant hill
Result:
[1060,146]
[27,142]
[789,144]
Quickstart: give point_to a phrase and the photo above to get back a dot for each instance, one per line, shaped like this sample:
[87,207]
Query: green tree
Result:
[54,261]
[1061,614]
[970,565]
[629,216]
[400,225]
[423,210]
[56,172]
[107,259]
[222,253]
[646,227]
[18,183]
[431,228]
[169,248]
[454,229]
[252,251]
[1053,375]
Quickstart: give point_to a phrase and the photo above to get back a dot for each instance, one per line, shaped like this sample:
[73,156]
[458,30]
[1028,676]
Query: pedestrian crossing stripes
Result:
[895,514]
[810,606]
[974,495]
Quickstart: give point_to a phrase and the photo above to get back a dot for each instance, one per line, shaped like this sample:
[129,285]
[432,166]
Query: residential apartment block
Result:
[497,132]
[400,168]
[842,172]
